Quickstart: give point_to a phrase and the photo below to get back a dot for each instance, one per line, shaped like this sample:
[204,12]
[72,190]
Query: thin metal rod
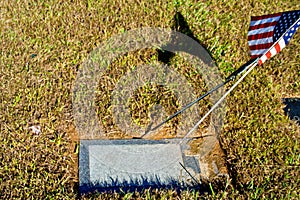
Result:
[189,173]
[184,108]
[254,63]
[218,102]
[228,79]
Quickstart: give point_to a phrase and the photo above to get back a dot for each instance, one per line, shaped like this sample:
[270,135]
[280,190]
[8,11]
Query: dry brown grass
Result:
[261,143]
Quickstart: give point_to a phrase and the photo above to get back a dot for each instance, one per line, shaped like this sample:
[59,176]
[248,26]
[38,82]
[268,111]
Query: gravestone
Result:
[136,164]
[156,161]
[114,164]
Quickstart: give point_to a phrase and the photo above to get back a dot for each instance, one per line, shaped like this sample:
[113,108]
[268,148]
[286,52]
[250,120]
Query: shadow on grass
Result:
[138,185]
[180,25]
[142,183]
[292,108]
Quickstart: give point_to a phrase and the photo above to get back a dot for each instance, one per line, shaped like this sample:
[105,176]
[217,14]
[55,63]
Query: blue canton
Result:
[286,21]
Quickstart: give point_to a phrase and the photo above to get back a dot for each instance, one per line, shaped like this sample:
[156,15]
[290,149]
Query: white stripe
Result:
[263,58]
[260,41]
[258,52]
[262,21]
[273,52]
[281,43]
[261,30]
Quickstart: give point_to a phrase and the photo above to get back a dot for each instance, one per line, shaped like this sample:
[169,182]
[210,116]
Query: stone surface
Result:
[112,164]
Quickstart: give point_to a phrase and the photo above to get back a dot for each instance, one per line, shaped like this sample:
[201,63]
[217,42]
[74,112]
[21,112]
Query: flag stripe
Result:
[255,22]
[279,45]
[260,41]
[262,60]
[277,48]
[273,51]
[282,43]
[261,30]
[269,54]
[262,25]
[260,35]
[256,53]
[265,16]
[261,46]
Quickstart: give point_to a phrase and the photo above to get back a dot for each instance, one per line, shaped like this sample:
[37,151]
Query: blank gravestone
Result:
[132,164]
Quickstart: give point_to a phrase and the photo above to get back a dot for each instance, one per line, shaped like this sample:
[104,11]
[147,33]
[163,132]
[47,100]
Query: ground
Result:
[43,45]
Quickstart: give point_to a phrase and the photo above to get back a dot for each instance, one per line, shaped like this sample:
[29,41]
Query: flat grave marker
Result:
[113,164]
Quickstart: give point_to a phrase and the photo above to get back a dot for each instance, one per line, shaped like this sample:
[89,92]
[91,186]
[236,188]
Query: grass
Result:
[43,44]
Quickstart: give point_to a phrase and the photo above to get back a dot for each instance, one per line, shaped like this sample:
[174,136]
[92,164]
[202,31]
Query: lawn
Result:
[43,45]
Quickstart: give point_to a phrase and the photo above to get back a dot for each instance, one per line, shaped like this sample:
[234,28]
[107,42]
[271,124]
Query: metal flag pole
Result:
[228,79]
[273,50]
[254,64]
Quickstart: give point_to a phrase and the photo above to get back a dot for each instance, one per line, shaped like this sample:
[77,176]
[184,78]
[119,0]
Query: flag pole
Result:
[257,61]
[219,101]
[249,65]
[228,79]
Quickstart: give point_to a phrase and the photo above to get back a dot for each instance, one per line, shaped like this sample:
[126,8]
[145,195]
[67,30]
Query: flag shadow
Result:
[179,25]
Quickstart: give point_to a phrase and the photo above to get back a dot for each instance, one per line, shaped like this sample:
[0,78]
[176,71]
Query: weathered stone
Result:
[113,164]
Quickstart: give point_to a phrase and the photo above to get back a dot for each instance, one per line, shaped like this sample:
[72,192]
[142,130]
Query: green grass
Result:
[261,143]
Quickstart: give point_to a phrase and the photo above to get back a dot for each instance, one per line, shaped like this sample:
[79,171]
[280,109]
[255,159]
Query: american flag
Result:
[269,34]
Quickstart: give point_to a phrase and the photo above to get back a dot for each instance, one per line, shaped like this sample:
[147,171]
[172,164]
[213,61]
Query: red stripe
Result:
[262,25]
[277,47]
[260,35]
[268,54]
[260,62]
[265,16]
[261,46]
